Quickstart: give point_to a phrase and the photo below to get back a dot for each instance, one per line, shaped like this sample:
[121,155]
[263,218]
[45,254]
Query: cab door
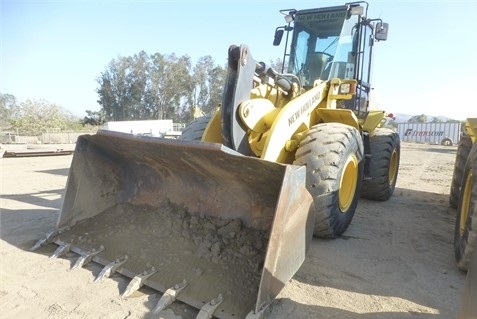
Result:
[363,71]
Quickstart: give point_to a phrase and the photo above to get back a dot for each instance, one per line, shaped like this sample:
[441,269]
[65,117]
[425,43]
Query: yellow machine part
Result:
[470,127]
[275,132]
[373,120]
[213,131]
[276,122]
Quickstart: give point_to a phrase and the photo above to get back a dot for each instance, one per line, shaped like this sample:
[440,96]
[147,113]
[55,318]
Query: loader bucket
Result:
[197,221]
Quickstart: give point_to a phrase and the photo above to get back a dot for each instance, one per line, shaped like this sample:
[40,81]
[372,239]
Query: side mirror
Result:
[381,31]
[278,36]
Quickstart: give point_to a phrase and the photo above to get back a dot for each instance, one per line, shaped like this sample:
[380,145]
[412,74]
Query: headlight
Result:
[347,88]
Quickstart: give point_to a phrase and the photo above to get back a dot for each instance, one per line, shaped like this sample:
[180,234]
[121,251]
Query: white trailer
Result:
[156,128]
[447,133]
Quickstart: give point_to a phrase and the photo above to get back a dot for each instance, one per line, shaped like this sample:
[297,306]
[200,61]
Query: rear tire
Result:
[463,151]
[446,142]
[384,166]
[195,129]
[332,153]
[465,232]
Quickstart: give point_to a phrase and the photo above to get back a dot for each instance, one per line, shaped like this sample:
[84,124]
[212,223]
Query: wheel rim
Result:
[348,183]
[393,167]
[464,208]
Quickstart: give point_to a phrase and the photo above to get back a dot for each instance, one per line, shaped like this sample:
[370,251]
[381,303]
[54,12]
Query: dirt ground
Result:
[395,260]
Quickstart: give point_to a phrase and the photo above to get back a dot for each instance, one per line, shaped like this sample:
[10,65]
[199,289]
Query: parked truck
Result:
[447,133]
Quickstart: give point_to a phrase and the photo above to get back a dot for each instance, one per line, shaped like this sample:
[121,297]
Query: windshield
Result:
[322,45]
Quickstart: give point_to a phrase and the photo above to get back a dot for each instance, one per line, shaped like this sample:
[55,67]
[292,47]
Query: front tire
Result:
[465,232]
[332,153]
[384,166]
[463,151]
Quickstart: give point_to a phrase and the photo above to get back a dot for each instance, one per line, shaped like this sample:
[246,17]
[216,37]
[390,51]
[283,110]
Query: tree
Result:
[418,119]
[94,118]
[208,81]
[138,78]
[8,109]
[145,87]
[217,78]
[40,116]
[455,121]
[277,65]
[114,90]
[170,84]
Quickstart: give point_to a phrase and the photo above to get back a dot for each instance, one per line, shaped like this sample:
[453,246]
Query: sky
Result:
[55,50]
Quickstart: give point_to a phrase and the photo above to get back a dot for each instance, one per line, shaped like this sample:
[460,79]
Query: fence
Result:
[44,138]
[63,138]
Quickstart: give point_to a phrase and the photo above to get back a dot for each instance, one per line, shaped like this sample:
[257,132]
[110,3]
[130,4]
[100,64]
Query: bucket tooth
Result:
[110,268]
[207,310]
[87,257]
[138,281]
[50,237]
[61,250]
[169,296]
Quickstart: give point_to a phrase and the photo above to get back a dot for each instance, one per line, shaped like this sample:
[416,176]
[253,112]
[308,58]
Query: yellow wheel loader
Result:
[221,218]
[463,195]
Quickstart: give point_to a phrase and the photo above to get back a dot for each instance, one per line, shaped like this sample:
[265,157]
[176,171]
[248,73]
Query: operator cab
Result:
[333,42]
[322,45]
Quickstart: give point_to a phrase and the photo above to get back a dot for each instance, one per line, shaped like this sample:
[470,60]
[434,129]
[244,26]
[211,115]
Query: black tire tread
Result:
[195,129]
[383,143]
[463,151]
[321,151]
[464,245]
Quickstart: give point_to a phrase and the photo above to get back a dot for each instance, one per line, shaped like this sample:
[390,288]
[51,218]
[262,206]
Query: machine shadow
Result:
[59,171]
[291,309]
[376,227]
[23,227]
[401,248]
